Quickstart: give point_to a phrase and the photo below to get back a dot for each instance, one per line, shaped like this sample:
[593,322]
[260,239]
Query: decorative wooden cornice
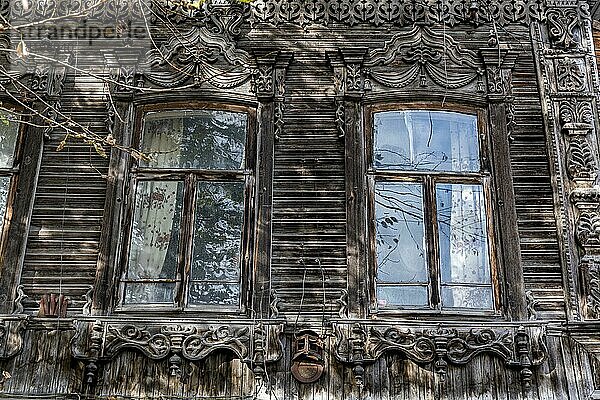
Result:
[314,13]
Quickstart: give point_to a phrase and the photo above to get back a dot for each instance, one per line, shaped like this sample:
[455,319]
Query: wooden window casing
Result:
[190,179]
[428,180]
[9,171]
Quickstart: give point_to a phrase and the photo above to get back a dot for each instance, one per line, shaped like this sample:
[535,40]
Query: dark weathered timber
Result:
[14,242]
[310,72]
[510,275]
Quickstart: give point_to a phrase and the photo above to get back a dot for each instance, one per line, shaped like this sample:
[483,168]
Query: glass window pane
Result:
[9,132]
[204,139]
[400,236]
[412,296]
[217,242]
[214,293]
[467,297]
[462,230]
[4,186]
[426,141]
[155,233]
[155,292]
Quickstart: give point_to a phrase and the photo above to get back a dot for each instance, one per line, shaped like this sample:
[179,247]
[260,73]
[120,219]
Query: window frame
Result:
[19,203]
[485,177]
[189,176]
[13,173]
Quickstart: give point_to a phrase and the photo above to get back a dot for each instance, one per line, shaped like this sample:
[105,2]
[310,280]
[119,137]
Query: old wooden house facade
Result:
[300,199]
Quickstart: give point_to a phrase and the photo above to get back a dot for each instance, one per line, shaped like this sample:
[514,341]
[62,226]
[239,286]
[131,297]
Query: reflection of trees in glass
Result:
[207,145]
[217,242]
[432,142]
[206,139]
[419,140]
[154,239]
[9,132]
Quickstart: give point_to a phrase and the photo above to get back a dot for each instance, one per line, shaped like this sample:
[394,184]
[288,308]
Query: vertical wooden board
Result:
[559,381]
[586,369]
[381,379]
[335,372]
[571,368]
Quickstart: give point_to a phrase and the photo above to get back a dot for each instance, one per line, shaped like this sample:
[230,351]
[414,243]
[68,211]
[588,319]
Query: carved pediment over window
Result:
[198,55]
[423,56]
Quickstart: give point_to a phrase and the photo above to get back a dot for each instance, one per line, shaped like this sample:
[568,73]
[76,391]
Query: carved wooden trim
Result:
[11,335]
[256,343]
[359,344]
[425,56]
[564,57]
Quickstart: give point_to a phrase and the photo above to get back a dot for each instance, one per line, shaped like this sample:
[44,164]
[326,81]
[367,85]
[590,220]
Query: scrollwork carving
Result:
[18,303]
[357,346]
[563,27]
[101,341]
[195,54]
[425,56]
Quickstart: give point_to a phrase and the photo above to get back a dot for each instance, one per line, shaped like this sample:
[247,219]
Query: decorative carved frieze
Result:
[360,344]
[397,13]
[11,339]
[102,340]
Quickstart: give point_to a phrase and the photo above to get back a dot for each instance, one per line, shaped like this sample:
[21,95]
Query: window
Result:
[9,136]
[188,209]
[430,193]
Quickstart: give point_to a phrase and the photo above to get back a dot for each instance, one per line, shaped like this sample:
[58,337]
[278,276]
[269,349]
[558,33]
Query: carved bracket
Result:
[359,345]
[255,344]
[11,335]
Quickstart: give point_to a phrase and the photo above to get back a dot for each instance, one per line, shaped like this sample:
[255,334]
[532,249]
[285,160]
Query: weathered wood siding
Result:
[309,245]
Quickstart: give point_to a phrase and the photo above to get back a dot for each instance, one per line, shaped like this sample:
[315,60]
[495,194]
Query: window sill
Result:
[432,315]
[170,311]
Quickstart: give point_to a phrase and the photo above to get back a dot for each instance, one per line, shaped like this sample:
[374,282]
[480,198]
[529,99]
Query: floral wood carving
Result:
[570,76]
[590,270]
[397,13]
[359,345]
[101,341]
[587,227]
[576,123]
[563,27]
[424,55]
